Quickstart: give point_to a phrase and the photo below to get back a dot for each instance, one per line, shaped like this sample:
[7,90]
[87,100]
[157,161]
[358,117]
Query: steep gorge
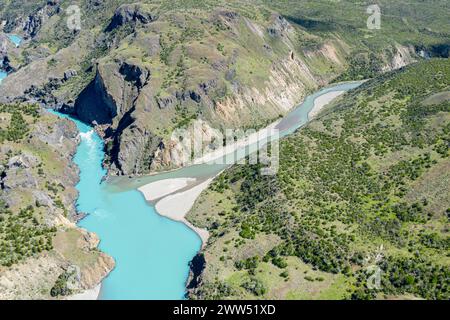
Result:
[155,72]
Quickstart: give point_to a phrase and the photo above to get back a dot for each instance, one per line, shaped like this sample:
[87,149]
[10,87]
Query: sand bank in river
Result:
[263,135]
[175,206]
[322,101]
[162,188]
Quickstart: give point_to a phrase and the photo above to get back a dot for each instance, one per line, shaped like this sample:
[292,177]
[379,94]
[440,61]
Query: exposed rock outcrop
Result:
[95,103]
[69,74]
[279,27]
[34,22]
[152,80]
[130,13]
[112,92]
[402,57]
[196,267]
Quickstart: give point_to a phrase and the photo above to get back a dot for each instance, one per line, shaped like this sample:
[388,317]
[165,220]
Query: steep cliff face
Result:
[109,101]
[211,77]
[130,14]
[145,72]
[95,104]
[111,93]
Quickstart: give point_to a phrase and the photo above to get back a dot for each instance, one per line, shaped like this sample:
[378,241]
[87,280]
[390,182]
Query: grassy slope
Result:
[371,171]
[412,23]
[409,23]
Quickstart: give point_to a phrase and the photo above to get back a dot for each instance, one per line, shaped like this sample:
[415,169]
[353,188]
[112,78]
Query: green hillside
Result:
[371,171]
[163,66]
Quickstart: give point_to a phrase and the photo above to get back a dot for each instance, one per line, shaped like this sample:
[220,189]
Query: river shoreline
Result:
[170,198]
[95,199]
[175,205]
[86,294]
[173,198]
[322,101]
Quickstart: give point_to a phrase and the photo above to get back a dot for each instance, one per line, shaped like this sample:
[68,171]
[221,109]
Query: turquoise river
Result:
[152,253]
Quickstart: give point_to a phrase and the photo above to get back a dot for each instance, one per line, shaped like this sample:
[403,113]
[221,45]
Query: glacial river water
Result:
[3,75]
[151,252]
[17,40]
